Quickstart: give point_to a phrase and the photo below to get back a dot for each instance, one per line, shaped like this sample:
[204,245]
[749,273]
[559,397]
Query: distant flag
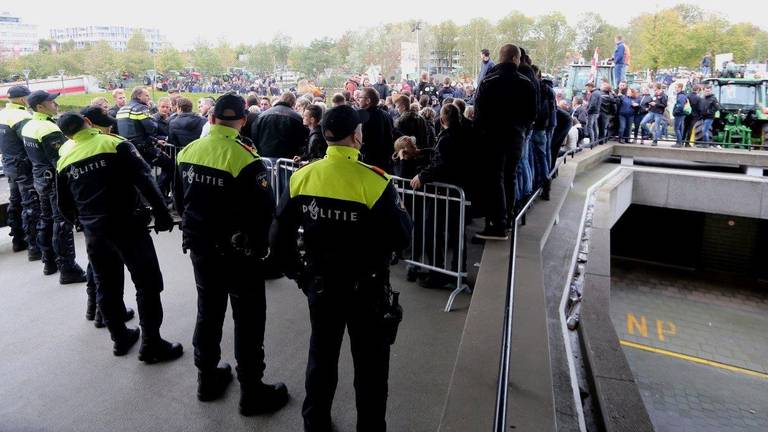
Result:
[593,69]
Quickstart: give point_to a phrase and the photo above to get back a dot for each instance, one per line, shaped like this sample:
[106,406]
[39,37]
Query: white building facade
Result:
[16,38]
[116,36]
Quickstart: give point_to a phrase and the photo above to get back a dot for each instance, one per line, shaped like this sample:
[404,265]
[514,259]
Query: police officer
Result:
[353,221]
[104,123]
[42,139]
[135,123]
[23,206]
[99,180]
[226,205]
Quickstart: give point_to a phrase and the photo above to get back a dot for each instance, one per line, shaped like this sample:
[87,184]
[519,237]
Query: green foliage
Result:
[678,36]
[552,38]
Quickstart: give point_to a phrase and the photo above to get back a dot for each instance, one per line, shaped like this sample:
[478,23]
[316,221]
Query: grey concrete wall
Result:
[728,194]
[710,156]
[612,383]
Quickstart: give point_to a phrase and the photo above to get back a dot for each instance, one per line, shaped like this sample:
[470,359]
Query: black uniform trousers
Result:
[132,247]
[221,275]
[23,204]
[500,191]
[54,234]
[334,305]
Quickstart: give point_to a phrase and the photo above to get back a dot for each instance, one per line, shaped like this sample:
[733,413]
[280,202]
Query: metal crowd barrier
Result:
[439,214]
[438,243]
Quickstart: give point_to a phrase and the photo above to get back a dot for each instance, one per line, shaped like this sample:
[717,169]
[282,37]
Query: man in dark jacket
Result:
[410,123]
[162,118]
[504,123]
[186,126]
[377,132]
[539,145]
[657,105]
[316,144]
[525,174]
[425,87]
[678,112]
[382,87]
[708,106]
[446,91]
[486,64]
[694,100]
[279,131]
[607,101]
[135,123]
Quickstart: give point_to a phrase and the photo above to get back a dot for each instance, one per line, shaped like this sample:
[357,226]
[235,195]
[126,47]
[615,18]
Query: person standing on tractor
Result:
[619,60]
[706,65]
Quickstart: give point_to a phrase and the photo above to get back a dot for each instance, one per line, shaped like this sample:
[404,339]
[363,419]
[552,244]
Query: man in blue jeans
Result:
[656,114]
[679,113]
[620,66]
[709,106]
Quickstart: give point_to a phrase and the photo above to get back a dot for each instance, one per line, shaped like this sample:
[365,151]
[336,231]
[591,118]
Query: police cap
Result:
[341,122]
[229,107]
[18,91]
[97,116]
[39,96]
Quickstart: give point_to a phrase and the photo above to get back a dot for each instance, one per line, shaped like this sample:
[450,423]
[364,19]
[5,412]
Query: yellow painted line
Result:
[692,359]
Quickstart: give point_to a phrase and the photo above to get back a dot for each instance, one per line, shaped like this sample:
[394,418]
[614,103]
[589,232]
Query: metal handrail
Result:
[502,384]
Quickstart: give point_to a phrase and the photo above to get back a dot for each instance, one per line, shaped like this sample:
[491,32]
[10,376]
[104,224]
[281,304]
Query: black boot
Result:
[212,384]
[156,349]
[98,320]
[34,254]
[20,245]
[49,268]
[90,309]
[124,340]
[260,398]
[71,273]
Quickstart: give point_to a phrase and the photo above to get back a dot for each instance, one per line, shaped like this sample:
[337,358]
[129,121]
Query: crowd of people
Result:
[497,141]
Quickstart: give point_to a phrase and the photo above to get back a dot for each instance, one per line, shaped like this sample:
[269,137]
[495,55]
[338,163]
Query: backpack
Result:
[627,55]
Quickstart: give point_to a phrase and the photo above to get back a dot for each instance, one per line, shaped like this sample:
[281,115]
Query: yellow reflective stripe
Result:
[122,115]
[218,152]
[12,114]
[138,116]
[85,144]
[39,129]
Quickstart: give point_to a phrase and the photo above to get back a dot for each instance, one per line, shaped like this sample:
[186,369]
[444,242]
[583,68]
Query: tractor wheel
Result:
[765,137]
[698,131]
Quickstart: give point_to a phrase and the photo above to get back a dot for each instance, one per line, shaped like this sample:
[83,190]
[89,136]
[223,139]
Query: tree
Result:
[592,31]
[281,46]
[314,59]
[103,62]
[514,28]
[658,39]
[443,41]
[169,59]
[478,34]
[261,57]
[136,58]
[205,59]
[552,39]
[690,13]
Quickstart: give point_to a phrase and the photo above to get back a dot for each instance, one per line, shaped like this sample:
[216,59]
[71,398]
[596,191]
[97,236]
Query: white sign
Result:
[720,59]
[409,60]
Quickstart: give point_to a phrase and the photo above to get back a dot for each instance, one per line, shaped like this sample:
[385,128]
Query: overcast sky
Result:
[251,21]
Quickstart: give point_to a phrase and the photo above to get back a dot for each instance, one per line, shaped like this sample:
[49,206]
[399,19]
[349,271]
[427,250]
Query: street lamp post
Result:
[416,27]
[26,75]
[61,74]
[152,74]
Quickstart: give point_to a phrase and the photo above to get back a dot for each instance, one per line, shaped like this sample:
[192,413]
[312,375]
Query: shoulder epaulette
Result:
[376,169]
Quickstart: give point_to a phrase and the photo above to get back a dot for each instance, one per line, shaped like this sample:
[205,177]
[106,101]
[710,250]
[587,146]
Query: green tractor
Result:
[578,76]
[743,116]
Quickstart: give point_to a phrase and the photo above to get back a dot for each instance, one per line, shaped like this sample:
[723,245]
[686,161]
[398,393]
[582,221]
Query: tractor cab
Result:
[743,111]
[579,75]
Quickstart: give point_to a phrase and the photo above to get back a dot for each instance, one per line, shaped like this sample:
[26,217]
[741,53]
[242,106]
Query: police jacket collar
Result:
[85,134]
[41,116]
[11,105]
[342,152]
[224,131]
